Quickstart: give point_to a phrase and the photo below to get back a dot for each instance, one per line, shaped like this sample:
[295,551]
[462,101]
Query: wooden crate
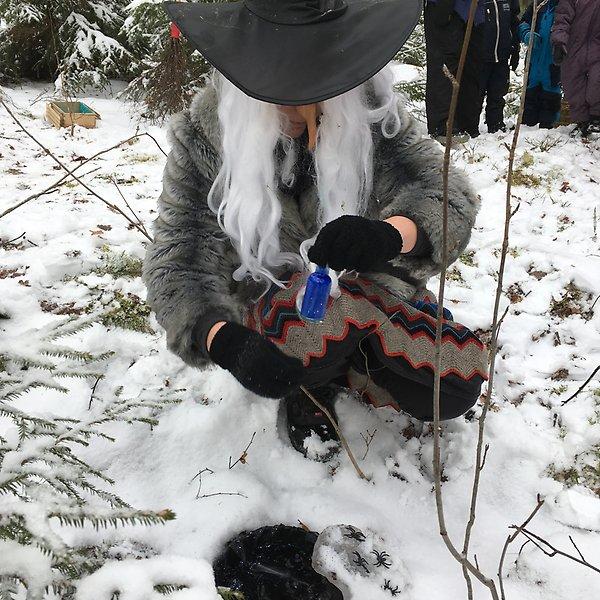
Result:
[65,114]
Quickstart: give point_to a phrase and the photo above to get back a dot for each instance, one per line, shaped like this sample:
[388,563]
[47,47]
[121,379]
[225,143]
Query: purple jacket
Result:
[577,28]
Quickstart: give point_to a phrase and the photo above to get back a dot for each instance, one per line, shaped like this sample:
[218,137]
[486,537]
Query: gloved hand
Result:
[255,362]
[356,244]
[514,58]
[558,53]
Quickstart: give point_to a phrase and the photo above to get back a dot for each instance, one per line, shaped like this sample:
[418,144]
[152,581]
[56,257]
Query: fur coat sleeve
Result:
[408,182]
[187,269]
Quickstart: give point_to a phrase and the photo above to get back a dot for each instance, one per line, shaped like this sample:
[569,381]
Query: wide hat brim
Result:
[297,64]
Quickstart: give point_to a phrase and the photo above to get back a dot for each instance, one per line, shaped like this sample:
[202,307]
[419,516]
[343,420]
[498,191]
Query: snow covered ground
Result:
[59,262]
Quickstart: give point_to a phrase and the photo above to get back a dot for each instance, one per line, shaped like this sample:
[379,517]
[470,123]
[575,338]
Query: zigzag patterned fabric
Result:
[367,327]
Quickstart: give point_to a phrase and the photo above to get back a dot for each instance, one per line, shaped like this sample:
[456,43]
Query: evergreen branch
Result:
[70,326]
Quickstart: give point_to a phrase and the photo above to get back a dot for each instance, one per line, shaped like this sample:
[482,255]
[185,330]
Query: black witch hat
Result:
[297,51]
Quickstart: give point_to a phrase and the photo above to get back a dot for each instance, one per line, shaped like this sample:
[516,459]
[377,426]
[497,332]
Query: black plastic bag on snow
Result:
[273,563]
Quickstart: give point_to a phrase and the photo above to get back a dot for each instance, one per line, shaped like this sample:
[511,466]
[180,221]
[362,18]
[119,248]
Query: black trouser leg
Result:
[416,399]
[496,90]
[469,98]
[531,111]
[549,108]
[442,48]
[444,44]
[437,87]
[486,72]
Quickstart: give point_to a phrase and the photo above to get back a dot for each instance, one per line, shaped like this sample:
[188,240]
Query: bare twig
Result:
[462,558]
[244,456]
[576,548]
[485,453]
[154,140]
[49,190]
[16,238]
[338,431]
[582,387]
[497,322]
[135,215]
[549,550]
[199,476]
[511,538]
[367,439]
[494,336]
[303,525]
[222,494]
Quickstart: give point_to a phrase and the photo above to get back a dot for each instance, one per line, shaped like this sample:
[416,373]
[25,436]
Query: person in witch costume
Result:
[299,151]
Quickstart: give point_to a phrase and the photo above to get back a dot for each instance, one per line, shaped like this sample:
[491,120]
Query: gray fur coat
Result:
[188,268]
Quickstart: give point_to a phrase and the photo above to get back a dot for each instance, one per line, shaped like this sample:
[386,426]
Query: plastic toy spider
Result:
[394,591]
[360,561]
[382,559]
[354,534]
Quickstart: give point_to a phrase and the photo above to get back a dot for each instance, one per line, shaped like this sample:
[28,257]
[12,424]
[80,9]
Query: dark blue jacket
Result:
[542,70]
[500,30]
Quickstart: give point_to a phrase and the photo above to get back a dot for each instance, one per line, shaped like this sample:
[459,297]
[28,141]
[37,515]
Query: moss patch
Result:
[454,274]
[128,312]
[585,471]
[142,158]
[468,258]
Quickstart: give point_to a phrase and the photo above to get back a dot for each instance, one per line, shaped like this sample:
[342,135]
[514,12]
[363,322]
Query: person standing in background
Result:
[543,96]
[576,48]
[500,47]
[445,26]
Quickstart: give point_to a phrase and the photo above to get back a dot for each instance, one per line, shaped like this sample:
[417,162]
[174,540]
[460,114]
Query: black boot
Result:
[581,129]
[593,125]
[305,420]
[495,127]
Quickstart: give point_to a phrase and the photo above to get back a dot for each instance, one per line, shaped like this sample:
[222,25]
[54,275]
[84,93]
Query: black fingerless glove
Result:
[255,362]
[356,244]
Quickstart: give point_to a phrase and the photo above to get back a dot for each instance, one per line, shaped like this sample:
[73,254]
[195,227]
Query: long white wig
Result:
[244,193]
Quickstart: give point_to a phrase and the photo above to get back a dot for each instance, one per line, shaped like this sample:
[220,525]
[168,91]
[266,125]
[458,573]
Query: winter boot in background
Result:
[581,129]
[310,431]
[593,125]
[458,138]
[496,127]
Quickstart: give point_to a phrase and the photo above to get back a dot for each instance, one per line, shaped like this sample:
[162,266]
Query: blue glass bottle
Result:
[316,295]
